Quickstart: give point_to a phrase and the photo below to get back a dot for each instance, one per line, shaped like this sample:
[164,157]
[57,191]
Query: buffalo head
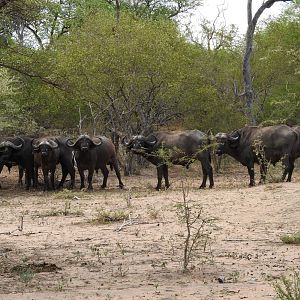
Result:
[140,143]
[7,148]
[84,143]
[226,141]
[44,146]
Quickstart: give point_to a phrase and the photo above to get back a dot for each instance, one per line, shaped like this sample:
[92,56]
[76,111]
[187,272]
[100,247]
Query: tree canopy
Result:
[72,64]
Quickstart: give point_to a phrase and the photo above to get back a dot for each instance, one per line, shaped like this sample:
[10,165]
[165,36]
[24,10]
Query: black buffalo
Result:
[178,148]
[297,130]
[93,153]
[48,152]
[18,150]
[261,145]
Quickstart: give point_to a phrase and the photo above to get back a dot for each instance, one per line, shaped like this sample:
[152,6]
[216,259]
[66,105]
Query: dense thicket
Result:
[73,64]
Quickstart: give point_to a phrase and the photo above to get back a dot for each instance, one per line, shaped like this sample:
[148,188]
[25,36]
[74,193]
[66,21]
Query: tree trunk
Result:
[248,87]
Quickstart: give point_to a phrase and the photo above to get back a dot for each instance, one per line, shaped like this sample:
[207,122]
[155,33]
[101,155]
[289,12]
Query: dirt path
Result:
[61,253]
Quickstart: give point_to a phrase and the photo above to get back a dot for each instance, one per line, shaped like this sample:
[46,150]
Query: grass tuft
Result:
[291,238]
[107,216]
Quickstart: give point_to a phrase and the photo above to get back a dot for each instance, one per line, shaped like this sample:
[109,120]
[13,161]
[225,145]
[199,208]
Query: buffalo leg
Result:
[290,173]
[67,168]
[204,173]
[166,175]
[36,175]
[207,170]
[159,177]
[21,173]
[263,172]
[105,173]
[251,174]
[81,174]
[64,176]
[72,174]
[288,168]
[115,165]
[90,179]
[52,178]
[46,179]
[28,176]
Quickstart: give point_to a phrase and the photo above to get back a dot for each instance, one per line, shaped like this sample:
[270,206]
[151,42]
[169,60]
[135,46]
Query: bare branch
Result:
[32,75]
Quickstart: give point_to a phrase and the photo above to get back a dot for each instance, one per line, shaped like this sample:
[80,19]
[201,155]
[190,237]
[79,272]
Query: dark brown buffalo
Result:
[297,130]
[93,153]
[261,145]
[178,148]
[48,152]
[18,151]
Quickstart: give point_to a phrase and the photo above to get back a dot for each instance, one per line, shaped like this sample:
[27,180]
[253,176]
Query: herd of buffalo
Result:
[248,145]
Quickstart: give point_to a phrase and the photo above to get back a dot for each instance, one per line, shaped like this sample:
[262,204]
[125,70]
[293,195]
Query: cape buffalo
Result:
[179,148]
[93,153]
[48,152]
[297,130]
[261,145]
[18,150]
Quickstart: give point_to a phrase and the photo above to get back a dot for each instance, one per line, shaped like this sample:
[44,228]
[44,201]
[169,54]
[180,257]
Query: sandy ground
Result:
[63,253]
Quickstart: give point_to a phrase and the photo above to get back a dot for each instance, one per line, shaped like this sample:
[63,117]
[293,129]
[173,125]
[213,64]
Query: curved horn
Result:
[153,142]
[11,144]
[100,141]
[221,135]
[124,141]
[69,142]
[35,145]
[233,138]
[52,144]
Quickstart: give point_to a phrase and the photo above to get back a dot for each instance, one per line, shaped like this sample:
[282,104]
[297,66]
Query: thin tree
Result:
[248,87]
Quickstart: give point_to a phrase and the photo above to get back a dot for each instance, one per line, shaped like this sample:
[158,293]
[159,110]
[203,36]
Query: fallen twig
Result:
[128,222]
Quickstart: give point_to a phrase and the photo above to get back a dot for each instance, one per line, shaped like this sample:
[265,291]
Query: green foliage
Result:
[139,74]
[276,66]
[291,238]
[288,288]
[132,72]
[12,117]
[104,217]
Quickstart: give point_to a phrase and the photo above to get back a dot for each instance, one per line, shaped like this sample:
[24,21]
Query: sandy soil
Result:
[63,253]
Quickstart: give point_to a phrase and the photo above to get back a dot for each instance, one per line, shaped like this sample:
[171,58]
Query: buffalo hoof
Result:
[202,187]
[158,188]
[103,186]
[211,186]
[82,187]
[121,186]
[251,184]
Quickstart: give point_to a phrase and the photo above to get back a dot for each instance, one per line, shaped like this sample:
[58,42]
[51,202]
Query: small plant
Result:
[234,276]
[65,194]
[128,198]
[67,208]
[152,212]
[288,288]
[59,212]
[291,238]
[105,217]
[26,275]
[61,284]
[122,270]
[198,230]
